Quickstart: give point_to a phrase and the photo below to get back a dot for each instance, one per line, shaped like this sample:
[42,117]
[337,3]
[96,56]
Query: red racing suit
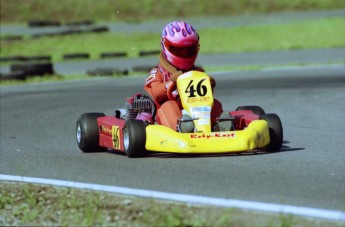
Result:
[168,111]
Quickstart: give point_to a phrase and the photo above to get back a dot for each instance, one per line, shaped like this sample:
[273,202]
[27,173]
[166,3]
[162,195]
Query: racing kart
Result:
[135,131]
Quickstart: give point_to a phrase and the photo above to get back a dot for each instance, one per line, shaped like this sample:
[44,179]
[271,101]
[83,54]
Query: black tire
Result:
[34,69]
[43,23]
[134,136]
[39,58]
[16,75]
[79,23]
[275,130]
[12,58]
[98,29]
[256,109]
[148,52]
[76,56]
[106,72]
[113,55]
[87,133]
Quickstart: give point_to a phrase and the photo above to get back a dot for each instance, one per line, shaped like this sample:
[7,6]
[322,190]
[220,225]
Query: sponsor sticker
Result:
[116,137]
[106,130]
[201,109]
[150,78]
[198,99]
[213,135]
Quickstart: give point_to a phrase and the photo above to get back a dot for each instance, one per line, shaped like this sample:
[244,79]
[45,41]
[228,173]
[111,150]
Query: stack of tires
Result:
[22,71]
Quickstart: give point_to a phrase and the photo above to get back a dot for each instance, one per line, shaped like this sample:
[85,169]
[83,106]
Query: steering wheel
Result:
[171,88]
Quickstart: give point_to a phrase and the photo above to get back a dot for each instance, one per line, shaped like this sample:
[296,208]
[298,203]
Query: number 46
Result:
[201,89]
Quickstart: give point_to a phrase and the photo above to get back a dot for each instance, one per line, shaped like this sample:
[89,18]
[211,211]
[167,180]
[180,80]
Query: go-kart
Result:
[134,130]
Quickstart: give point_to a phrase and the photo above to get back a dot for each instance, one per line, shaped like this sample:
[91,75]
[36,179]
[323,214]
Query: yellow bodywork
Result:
[163,139]
[196,97]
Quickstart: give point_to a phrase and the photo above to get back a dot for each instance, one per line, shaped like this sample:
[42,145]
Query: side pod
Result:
[111,132]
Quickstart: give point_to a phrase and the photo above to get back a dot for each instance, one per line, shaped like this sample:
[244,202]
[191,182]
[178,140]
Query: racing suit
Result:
[169,111]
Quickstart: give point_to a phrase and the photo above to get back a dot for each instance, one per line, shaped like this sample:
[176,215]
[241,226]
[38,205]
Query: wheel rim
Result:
[125,138]
[78,133]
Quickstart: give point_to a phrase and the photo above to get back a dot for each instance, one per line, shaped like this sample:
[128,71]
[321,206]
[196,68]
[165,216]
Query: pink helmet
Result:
[180,44]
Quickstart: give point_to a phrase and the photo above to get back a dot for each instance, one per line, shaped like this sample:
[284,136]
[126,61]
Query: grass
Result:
[42,205]
[14,11]
[322,33]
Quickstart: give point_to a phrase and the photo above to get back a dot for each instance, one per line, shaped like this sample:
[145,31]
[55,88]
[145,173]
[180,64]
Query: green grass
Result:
[14,11]
[322,33]
[41,205]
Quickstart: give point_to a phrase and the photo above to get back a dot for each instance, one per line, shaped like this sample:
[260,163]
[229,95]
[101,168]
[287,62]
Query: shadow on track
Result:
[284,148]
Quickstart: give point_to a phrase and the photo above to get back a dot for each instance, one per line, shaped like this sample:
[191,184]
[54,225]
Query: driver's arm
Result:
[158,91]
[156,87]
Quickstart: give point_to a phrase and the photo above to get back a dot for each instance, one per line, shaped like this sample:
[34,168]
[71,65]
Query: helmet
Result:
[180,44]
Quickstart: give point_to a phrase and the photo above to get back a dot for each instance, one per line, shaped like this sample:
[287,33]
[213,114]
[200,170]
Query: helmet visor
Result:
[182,51]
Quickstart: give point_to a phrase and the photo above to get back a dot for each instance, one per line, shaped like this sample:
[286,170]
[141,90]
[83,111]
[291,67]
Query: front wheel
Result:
[134,138]
[275,130]
[87,133]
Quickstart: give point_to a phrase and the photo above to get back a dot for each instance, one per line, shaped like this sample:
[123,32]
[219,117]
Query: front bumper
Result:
[163,139]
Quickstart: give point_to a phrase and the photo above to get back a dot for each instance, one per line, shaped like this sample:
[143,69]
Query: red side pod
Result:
[111,132]
[243,118]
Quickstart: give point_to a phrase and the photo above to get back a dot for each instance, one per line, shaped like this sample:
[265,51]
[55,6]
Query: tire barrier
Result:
[60,33]
[12,58]
[76,56]
[24,71]
[17,75]
[24,58]
[72,31]
[70,57]
[47,23]
[43,23]
[149,52]
[106,72]
[113,55]
[98,29]
[33,69]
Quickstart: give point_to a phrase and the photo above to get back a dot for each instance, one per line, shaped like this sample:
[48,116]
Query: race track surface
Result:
[38,138]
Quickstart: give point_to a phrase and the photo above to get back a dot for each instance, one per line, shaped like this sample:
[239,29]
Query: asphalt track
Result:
[38,138]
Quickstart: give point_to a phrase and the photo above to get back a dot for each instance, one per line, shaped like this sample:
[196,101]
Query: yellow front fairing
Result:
[163,139]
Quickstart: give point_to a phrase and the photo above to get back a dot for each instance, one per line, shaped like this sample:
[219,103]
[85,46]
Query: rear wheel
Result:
[87,133]
[256,109]
[275,130]
[134,136]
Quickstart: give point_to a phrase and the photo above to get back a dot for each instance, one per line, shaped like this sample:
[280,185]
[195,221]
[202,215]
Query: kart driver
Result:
[180,47]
